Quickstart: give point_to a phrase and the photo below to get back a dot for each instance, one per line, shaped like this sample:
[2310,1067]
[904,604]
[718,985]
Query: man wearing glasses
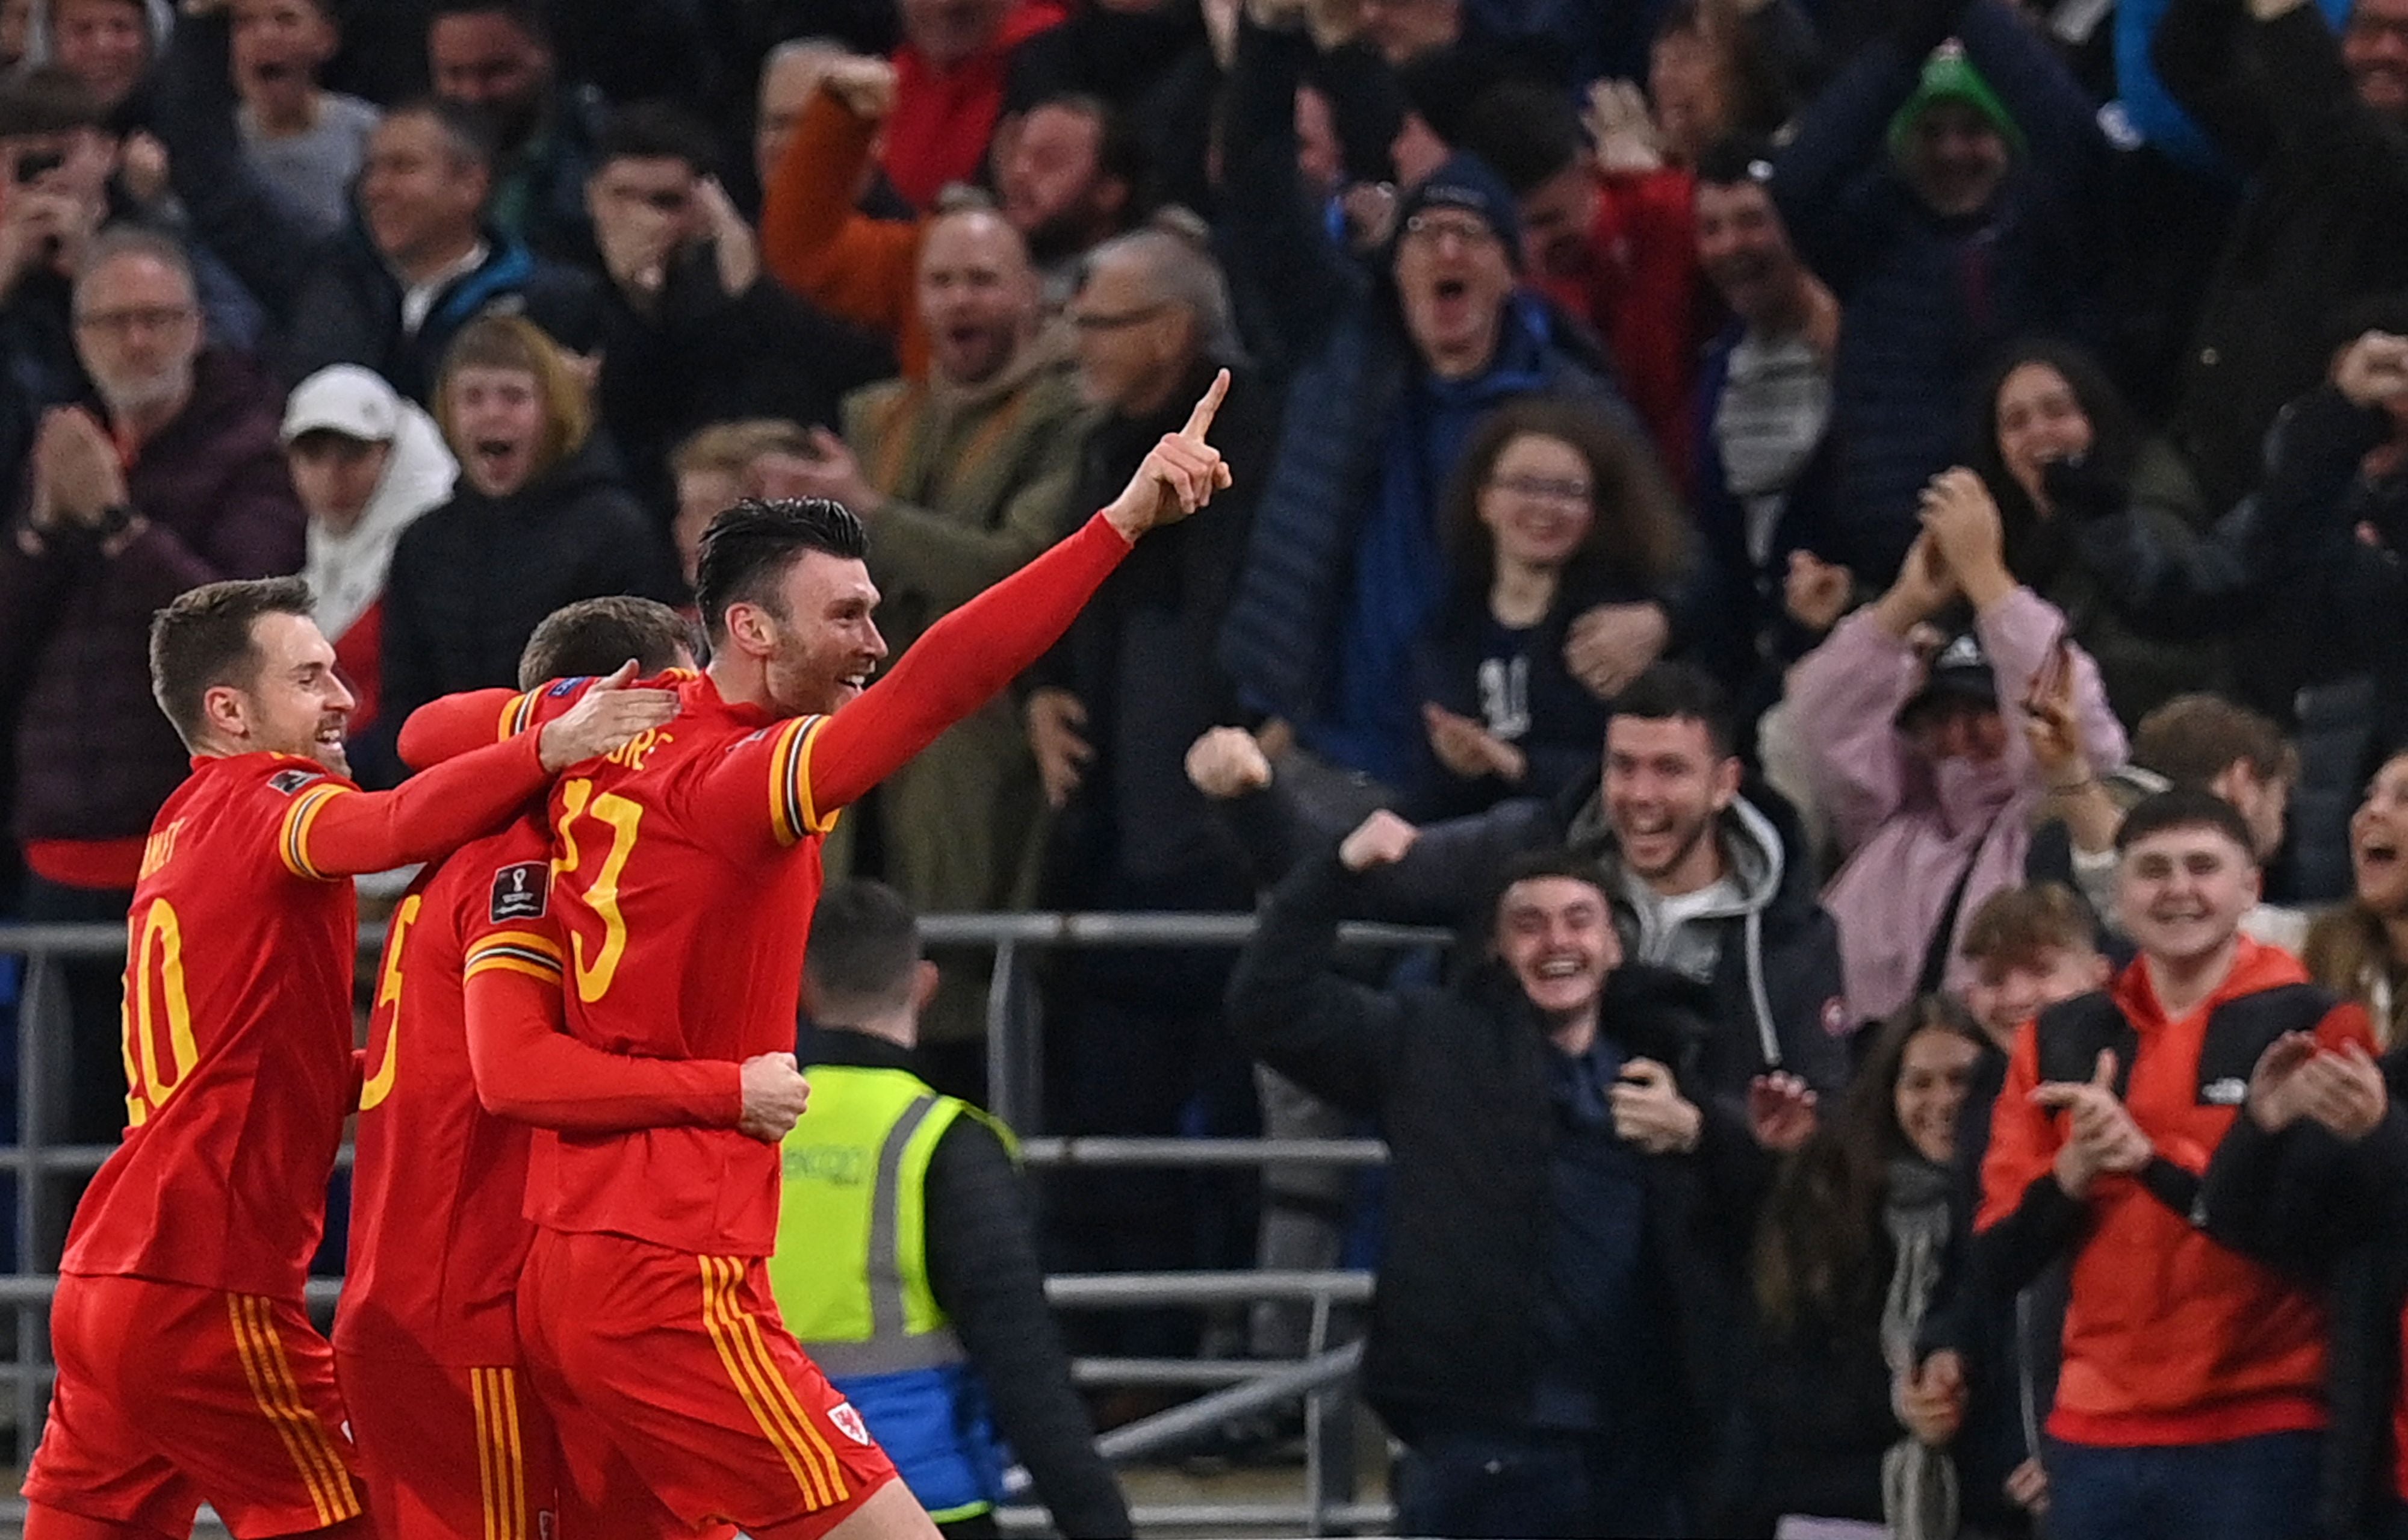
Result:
[1392,369]
[167,477]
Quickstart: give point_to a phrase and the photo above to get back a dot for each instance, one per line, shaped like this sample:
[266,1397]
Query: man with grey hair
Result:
[168,476]
[1116,706]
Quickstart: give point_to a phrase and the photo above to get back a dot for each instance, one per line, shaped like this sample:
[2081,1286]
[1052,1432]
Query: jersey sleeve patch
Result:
[521,891]
[288,781]
[517,952]
[792,814]
[293,839]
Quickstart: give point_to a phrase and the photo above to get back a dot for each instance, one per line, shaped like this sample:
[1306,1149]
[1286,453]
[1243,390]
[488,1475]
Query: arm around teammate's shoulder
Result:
[341,833]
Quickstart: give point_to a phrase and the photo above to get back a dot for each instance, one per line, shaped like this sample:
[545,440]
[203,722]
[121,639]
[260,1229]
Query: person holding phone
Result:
[1918,752]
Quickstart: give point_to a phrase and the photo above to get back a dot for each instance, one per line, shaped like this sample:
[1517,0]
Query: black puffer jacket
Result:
[471,578]
[2325,222]
[2302,1200]
[1458,1083]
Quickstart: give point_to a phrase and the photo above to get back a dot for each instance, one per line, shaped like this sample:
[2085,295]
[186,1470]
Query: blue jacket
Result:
[1925,300]
[1363,421]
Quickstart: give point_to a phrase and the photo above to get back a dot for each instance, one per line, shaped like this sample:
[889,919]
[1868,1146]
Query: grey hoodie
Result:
[1766,949]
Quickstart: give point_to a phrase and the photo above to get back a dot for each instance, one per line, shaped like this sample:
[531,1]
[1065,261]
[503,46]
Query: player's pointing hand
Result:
[1179,477]
[609,715]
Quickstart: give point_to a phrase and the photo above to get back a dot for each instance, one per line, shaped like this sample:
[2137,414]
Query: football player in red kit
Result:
[187,1371]
[449,1440]
[685,870]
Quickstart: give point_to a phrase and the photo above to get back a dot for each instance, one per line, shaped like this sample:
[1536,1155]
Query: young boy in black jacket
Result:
[1560,1267]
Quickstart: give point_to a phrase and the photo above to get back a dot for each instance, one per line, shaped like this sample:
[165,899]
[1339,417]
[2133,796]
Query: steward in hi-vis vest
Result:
[905,1260]
[851,1274]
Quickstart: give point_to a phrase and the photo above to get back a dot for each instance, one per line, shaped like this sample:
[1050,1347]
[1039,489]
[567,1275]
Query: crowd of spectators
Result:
[1816,532]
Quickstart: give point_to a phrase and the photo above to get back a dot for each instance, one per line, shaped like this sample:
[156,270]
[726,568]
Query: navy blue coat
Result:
[1926,301]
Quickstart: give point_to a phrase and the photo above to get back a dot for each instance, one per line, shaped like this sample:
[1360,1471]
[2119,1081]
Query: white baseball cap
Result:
[343,398]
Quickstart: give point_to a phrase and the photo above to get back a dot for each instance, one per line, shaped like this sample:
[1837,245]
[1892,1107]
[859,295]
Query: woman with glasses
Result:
[1560,531]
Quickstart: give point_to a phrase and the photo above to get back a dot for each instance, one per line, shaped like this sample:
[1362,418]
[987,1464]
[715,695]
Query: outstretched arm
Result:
[817,764]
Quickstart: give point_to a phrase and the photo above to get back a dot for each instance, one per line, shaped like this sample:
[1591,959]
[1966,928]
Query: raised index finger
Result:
[1201,420]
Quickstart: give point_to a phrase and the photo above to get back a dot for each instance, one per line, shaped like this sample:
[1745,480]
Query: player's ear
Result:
[226,712]
[748,627]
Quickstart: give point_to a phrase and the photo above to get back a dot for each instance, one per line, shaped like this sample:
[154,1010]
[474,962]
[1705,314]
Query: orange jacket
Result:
[815,242]
[2170,1338]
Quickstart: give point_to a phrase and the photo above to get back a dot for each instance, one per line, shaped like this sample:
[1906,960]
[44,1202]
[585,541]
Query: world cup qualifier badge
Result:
[849,1422]
[289,782]
[521,891]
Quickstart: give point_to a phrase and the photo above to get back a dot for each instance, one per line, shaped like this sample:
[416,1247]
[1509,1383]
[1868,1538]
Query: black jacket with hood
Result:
[471,579]
[1775,983]
[1456,1081]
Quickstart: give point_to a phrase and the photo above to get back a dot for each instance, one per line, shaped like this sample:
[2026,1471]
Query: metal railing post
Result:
[1322,1380]
[1002,1064]
[40,1011]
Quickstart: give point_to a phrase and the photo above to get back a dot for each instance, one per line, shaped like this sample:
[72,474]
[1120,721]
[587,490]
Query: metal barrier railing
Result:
[1323,1379]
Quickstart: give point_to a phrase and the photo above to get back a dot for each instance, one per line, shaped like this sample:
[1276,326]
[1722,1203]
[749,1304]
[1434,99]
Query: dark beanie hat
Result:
[1466,182]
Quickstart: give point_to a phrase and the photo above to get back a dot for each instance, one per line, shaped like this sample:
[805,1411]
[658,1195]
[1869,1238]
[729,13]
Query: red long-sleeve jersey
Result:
[438,1228]
[686,869]
[238,1021]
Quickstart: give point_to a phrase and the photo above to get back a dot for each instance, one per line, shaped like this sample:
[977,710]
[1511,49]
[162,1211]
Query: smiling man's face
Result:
[823,644]
[1556,936]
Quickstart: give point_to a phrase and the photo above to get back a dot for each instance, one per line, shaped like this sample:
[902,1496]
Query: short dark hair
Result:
[2186,807]
[48,99]
[203,639]
[1736,158]
[865,945]
[1537,865]
[595,636]
[751,543]
[463,128]
[522,14]
[1120,153]
[648,131]
[1529,133]
[2194,738]
[1669,690]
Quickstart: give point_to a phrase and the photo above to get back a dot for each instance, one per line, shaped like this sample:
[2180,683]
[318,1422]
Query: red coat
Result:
[943,118]
[1640,292]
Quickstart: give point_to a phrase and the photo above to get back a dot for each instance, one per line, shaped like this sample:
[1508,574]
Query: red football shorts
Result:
[672,1372]
[170,1395]
[449,1451]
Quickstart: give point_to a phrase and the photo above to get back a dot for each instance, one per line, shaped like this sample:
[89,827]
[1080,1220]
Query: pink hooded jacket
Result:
[1908,826]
